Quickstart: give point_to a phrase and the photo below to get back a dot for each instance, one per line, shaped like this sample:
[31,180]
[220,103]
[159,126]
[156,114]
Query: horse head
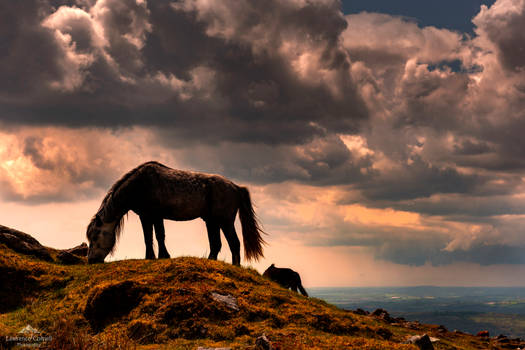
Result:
[101,237]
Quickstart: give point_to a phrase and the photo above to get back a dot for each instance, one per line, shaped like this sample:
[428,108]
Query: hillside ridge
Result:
[186,303]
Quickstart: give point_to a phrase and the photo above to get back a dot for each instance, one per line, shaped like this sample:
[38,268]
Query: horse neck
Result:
[114,210]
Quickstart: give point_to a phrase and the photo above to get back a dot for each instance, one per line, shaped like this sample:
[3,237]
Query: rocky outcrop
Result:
[73,255]
[23,243]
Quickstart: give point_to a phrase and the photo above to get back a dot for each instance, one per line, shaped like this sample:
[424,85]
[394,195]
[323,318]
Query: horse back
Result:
[186,195]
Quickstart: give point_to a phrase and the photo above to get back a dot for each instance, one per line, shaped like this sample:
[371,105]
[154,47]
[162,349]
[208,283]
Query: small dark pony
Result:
[155,192]
[287,278]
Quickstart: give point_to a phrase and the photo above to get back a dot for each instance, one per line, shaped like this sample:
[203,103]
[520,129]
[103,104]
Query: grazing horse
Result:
[287,278]
[155,192]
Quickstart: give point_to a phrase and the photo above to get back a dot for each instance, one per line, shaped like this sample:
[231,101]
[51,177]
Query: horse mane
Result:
[108,204]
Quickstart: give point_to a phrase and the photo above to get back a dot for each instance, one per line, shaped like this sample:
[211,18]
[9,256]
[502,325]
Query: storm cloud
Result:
[401,121]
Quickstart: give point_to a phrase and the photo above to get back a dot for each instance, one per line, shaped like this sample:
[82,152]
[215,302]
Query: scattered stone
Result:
[68,258]
[483,334]
[23,243]
[227,300]
[423,342]
[262,343]
[201,348]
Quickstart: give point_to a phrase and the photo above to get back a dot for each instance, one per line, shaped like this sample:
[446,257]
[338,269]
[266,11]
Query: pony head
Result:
[102,238]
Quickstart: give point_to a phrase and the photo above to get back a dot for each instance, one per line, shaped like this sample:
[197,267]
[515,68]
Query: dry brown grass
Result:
[168,304]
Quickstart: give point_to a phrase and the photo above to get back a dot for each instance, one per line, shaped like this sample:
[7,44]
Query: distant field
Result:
[498,310]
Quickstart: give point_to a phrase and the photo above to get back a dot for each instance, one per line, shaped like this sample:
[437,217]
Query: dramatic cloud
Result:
[362,131]
[231,71]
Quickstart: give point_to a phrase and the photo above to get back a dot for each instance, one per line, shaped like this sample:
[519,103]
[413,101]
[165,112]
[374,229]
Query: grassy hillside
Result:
[174,303]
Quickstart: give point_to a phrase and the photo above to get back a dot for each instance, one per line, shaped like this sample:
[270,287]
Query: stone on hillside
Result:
[23,243]
[227,300]
[262,343]
[421,341]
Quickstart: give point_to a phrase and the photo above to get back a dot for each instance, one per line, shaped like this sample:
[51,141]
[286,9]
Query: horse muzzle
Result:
[95,260]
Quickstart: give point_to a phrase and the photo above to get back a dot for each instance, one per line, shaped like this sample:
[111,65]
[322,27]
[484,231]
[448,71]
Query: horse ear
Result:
[98,220]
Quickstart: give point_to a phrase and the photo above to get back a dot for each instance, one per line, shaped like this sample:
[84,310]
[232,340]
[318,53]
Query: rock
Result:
[421,341]
[79,250]
[227,300]
[201,348]
[23,243]
[262,343]
[383,314]
[483,334]
[68,258]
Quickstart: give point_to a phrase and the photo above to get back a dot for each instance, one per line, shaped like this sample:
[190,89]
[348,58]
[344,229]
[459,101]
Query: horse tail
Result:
[251,230]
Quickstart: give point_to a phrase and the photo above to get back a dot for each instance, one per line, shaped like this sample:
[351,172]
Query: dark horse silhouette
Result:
[155,192]
[287,278]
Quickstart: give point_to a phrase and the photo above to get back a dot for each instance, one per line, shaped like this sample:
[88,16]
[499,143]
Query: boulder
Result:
[228,300]
[23,243]
[421,341]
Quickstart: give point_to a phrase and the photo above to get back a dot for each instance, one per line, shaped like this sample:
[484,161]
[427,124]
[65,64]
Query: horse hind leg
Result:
[160,233]
[147,227]
[233,242]
[300,285]
[215,239]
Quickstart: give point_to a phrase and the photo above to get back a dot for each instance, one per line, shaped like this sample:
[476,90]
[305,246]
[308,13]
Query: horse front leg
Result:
[147,227]
[161,235]
[214,236]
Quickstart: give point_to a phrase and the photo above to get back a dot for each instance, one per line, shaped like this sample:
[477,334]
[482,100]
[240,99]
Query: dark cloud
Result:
[323,161]
[413,253]
[504,25]
[243,72]
[418,179]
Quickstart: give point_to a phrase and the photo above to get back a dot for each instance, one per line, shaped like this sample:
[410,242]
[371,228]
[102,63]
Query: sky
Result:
[382,142]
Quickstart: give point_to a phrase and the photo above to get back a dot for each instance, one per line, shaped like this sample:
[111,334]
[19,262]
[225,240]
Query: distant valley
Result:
[500,310]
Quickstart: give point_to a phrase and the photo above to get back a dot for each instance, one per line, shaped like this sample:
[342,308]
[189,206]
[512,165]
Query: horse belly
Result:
[182,209]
